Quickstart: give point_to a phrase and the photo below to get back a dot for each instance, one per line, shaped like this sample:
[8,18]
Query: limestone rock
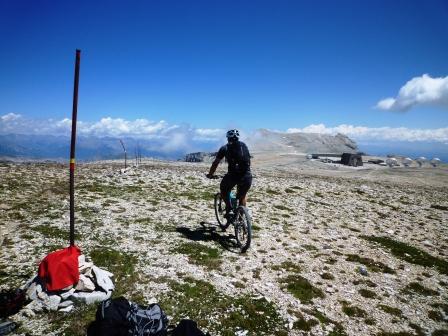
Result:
[92,297]
[103,279]
[85,284]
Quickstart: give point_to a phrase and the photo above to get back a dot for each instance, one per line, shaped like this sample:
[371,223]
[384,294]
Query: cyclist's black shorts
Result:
[243,183]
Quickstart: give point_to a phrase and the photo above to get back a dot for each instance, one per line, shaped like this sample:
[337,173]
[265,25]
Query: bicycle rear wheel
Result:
[243,228]
[220,211]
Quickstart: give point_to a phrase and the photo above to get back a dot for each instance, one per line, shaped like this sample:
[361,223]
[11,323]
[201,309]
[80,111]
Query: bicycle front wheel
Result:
[243,228]
[220,210]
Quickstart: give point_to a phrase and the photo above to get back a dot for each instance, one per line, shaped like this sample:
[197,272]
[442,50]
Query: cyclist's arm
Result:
[214,166]
[219,156]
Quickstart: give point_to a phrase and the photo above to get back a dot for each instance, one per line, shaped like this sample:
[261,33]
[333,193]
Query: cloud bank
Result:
[106,127]
[184,136]
[165,137]
[423,90]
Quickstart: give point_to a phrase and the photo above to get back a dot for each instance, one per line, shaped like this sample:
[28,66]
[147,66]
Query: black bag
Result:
[238,157]
[111,318]
[188,328]
[119,317]
[146,321]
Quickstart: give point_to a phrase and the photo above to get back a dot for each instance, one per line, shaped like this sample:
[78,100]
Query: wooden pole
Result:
[125,154]
[72,149]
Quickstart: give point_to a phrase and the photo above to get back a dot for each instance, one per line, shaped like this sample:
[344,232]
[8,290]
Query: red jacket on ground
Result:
[59,269]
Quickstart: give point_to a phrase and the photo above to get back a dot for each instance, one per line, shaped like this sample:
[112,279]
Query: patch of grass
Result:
[367,293]
[440,332]
[435,315]
[443,306]
[369,321]
[290,191]
[110,190]
[400,333]
[287,266]
[310,247]
[217,312]
[73,324]
[238,284]
[338,329]
[415,287]
[439,207]
[366,282]
[51,231]
[200,254]
[122,265]
[144,220]
[418,330]
[372,265]
[256,274]
[331,261]
[282,207]
[301,288]
[305,325]
[409,253]
[353,311]
[255,227]
[273,192]
[195,195]
[327,276]
[390,310]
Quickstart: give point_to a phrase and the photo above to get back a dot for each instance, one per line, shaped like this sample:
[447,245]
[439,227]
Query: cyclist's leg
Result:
[227,183]
[244,185]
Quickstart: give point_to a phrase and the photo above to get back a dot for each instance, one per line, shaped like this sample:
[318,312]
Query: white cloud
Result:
[10,117]
[173,135]
[379,133]
[423,90]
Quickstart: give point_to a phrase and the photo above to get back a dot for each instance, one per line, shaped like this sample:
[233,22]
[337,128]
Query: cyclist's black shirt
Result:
[237,156]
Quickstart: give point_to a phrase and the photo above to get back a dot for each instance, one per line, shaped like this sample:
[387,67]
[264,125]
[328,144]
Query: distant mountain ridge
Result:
[95,148]
[264,140]
[87,148]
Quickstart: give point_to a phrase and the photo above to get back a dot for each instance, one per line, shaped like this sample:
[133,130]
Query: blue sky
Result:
[216,64]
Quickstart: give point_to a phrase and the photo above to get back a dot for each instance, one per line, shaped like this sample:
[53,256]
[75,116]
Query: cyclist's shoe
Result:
[228,216]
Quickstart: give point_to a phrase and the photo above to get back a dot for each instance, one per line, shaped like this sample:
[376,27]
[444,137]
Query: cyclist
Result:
[238,159]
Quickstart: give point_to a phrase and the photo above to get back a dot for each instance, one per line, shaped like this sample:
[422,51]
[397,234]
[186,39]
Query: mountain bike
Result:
[238,217]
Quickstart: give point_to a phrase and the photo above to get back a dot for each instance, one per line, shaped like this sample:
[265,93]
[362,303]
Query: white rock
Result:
[85,284]
[91,297]
[67,294]
[34,306]
[53,302]
[152,300]
[42,295]
[31,292]
[103,279]
[66,309]
[65,303]
[67,288]
[88,272]
[28,312]
[81,259]
[86,267]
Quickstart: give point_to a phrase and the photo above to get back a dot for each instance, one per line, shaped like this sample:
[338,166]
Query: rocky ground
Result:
[335,251]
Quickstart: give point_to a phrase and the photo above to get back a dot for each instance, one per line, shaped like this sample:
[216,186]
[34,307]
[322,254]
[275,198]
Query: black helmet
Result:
[233,134]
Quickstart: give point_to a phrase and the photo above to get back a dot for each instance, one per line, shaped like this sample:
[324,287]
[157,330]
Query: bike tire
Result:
[220,210]
[243,228]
